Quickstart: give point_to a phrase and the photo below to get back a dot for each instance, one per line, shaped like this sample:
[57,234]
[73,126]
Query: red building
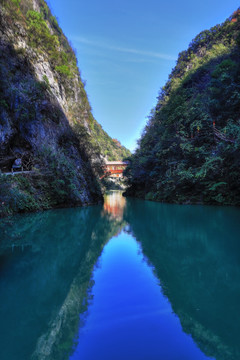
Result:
[114,169]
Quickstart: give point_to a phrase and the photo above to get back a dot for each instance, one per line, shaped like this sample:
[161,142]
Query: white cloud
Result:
[107,46]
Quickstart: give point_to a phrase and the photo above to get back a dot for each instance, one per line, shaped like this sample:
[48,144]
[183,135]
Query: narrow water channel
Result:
[131,279]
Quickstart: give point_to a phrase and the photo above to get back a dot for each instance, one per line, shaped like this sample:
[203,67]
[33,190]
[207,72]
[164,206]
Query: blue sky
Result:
[127,48]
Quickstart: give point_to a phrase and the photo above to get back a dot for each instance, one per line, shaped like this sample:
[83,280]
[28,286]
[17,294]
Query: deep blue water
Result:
[129,317]
[131,279]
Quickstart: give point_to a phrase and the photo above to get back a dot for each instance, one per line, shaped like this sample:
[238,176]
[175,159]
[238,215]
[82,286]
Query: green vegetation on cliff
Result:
[45,116]
[190,148]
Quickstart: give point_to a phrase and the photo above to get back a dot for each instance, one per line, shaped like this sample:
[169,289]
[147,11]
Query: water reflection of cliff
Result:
[37,271]
[195,251]
[59,338]
[48,259]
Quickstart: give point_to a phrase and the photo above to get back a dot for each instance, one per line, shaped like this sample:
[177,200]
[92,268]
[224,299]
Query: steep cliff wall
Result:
[190,148]
[45,116]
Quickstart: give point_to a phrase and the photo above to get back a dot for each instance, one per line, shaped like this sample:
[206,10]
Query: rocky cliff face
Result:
[45,116]
[189,151]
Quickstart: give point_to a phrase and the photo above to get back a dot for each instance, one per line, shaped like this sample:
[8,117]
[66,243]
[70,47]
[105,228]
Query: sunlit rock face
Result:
[43,101]
[45,115]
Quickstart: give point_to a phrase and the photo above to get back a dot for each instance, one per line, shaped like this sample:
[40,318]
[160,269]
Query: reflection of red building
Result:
[114,205]
[114,168]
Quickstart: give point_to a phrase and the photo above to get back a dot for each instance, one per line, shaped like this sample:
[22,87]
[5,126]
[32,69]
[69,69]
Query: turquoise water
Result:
[131,279]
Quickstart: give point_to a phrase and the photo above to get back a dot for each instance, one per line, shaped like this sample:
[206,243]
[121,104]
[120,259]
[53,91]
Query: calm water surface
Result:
[128,280]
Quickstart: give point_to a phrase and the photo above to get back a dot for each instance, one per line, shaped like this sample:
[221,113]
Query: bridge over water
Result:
[114,169]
